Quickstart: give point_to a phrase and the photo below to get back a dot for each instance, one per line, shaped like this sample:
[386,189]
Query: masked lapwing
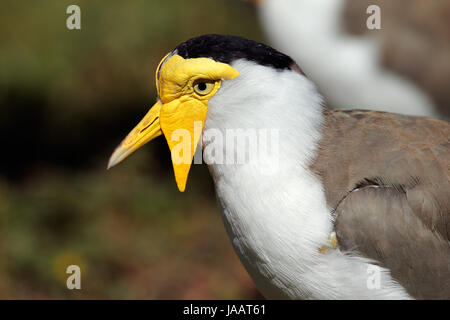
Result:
[352,205]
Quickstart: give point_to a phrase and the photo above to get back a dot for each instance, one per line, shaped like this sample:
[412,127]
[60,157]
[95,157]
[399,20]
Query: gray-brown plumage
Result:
[387,177]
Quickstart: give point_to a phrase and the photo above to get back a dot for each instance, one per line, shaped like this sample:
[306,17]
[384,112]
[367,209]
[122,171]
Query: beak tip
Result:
[112,162]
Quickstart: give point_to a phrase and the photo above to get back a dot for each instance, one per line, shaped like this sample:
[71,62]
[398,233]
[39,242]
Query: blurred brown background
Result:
[415,42]
[67,98]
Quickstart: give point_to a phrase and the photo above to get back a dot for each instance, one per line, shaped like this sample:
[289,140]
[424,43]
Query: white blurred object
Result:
[346,68]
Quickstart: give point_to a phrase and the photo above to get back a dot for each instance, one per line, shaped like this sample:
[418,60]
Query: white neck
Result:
[276,220]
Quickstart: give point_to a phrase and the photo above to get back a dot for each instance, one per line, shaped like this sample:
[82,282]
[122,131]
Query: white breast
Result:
[278,219]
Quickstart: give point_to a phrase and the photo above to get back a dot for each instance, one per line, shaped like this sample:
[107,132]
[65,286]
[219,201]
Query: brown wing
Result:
[400,216]
[379,223]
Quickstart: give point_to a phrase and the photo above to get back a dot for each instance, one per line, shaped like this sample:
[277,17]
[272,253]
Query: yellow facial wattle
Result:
[184,87]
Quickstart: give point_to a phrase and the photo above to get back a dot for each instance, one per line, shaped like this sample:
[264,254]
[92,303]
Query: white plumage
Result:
[276,227]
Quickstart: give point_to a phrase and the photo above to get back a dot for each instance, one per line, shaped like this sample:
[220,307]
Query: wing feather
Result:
[387,179]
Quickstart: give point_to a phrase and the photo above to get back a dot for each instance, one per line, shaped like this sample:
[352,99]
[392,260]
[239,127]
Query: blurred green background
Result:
[67,99]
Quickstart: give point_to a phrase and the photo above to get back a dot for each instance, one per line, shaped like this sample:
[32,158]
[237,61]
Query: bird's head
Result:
[186,79]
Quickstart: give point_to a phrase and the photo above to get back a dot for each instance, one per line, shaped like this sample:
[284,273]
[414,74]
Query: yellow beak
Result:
[148,129]
[181,121]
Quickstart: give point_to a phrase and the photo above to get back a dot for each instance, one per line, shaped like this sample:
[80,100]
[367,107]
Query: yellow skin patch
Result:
[332,243]
[184,88]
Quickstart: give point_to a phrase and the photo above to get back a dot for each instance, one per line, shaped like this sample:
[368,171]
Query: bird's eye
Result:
[203,87]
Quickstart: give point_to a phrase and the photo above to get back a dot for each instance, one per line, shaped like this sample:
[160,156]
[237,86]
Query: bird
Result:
[341,204]
[347,68]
